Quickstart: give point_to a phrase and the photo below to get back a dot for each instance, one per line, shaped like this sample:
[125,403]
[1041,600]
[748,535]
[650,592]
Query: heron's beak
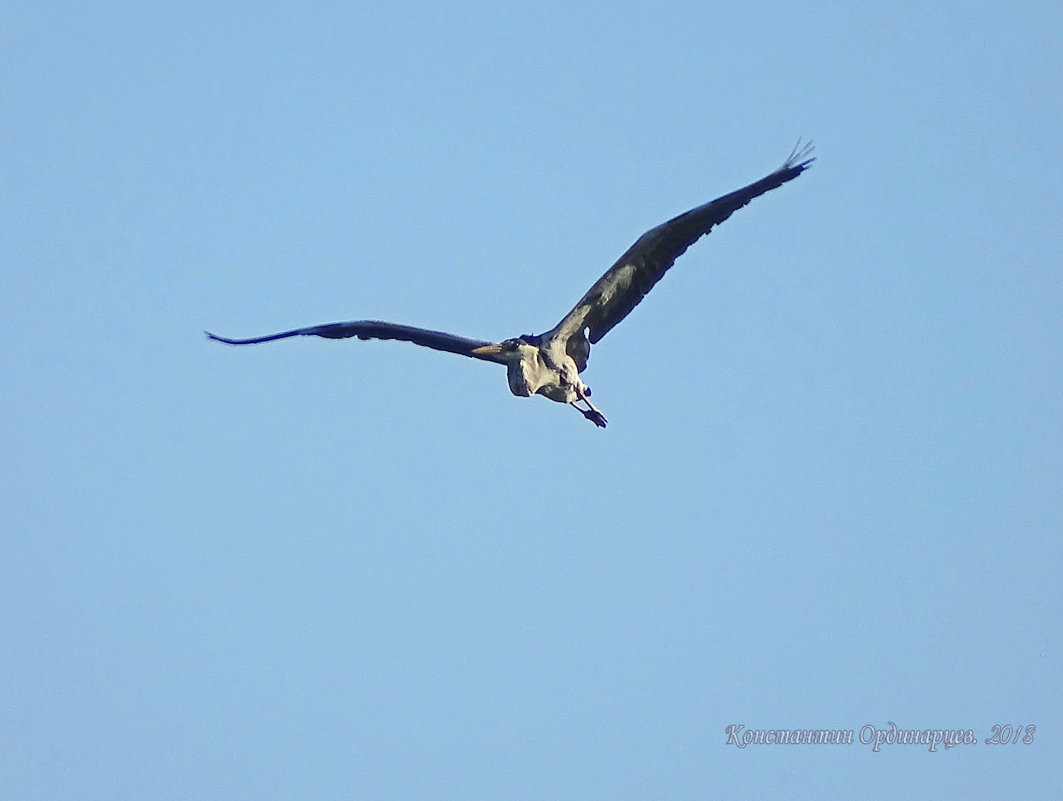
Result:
[493,349]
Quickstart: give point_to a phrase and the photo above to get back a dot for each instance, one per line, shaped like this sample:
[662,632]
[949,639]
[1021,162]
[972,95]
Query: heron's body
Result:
[550,364]
[534,368]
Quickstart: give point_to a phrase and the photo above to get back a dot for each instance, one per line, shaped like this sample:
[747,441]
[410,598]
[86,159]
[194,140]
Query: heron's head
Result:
[515,349]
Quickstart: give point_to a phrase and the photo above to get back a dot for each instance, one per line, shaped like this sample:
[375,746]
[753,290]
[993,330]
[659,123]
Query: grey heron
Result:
[550,363]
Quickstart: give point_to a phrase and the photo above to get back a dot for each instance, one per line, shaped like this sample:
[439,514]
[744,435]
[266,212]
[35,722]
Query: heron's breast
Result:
[518,381]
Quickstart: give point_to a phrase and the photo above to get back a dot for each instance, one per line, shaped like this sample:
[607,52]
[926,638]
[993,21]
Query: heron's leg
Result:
[594,415]
[585,396]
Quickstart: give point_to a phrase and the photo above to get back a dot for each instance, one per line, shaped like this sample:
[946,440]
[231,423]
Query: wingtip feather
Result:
[800,157]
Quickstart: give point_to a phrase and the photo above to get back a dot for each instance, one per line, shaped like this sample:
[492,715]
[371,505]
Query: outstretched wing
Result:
[375,329]
[626,283]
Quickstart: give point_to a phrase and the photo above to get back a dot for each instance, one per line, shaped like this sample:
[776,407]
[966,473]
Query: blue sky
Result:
[828,497]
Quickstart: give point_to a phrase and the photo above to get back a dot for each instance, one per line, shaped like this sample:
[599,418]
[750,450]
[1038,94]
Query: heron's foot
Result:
[595,417]
[591,414]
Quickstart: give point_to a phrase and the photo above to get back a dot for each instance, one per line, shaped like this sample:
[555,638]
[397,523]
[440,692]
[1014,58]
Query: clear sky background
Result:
[829,495]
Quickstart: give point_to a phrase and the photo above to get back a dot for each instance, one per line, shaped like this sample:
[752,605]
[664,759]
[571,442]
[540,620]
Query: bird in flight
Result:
[549,364]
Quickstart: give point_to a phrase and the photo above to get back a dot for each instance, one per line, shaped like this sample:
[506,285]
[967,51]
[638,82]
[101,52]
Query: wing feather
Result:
[626,283]
[375,329]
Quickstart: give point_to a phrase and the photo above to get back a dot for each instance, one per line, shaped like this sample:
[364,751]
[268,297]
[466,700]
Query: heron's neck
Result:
[529,374]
